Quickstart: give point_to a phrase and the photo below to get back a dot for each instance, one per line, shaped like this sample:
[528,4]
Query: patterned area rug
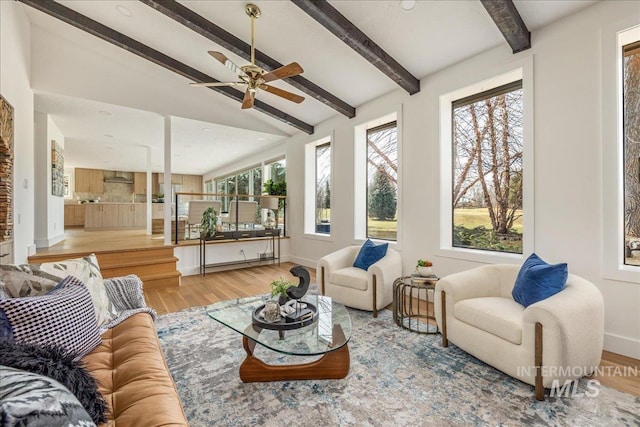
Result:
[396,378]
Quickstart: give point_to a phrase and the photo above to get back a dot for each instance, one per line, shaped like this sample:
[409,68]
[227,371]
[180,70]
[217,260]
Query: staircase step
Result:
[161,280]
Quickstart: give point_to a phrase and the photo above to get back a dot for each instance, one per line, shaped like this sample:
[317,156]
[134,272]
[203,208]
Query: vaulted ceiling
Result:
[107,71]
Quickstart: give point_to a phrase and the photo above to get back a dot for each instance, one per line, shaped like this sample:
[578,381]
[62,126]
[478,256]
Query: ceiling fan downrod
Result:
[254,13]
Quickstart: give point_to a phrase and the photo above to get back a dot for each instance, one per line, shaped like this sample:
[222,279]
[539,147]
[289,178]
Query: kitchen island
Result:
[114,216]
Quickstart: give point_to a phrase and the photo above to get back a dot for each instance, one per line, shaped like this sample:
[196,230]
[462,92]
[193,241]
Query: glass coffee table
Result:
[326,337]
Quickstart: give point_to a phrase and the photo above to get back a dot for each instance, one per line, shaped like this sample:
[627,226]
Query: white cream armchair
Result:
[557,339]
[369,290]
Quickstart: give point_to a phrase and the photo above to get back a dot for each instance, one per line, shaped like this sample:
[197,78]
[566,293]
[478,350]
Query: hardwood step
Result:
[156,266]
[152,281]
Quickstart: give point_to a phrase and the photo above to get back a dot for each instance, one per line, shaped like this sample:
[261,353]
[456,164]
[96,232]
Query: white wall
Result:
[49,218]
[15,72]
[568,145]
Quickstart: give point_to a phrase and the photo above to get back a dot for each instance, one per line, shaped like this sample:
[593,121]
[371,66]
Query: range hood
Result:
[118,179]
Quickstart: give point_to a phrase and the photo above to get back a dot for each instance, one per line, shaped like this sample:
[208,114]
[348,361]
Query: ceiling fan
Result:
[253,76]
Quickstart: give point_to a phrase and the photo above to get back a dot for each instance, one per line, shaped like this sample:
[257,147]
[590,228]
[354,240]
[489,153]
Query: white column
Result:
[149,206]
[167,180]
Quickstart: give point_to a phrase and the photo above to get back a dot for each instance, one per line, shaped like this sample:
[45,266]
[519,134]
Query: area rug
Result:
[396,378]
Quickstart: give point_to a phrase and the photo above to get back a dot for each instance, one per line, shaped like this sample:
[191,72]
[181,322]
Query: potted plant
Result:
[208,223]
[279,289]
[276,189]
[424,267]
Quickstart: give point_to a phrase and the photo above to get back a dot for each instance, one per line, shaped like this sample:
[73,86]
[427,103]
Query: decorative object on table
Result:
[279,289]
[296,315]
[271,312]
[276,189]
[209,222]
[424,267]
[297,292]
[271,204]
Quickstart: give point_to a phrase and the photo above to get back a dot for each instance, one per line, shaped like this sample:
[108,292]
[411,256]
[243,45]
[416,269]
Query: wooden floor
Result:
[217,286]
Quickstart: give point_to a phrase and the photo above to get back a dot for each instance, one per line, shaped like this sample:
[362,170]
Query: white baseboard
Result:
[303,261]
[47,243]
[622,345]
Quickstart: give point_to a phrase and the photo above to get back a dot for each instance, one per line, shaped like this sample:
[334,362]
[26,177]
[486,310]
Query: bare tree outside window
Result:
[382,182]
[631,135]
[487,170]
[323,188]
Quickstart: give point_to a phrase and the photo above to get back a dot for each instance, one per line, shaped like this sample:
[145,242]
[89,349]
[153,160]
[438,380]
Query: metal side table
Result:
[413,308]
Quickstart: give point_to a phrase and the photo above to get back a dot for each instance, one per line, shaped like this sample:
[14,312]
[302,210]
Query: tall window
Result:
[277,170]
[323,188]
[487,159]
[631,151]
[382,182]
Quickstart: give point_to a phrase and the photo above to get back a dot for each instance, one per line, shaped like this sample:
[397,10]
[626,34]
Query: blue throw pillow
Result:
[6,332]
[369,254]
[538,280]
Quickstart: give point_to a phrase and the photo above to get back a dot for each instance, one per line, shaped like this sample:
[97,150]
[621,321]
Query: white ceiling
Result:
[76,75]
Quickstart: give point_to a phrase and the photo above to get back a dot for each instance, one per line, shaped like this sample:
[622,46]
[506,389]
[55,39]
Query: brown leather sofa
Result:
[133,376]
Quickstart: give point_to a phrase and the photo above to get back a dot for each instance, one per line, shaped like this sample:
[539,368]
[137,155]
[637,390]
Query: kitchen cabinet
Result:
[89,180]
[115,216]
[73,215]
[140,183]
[175,178]
[157,210]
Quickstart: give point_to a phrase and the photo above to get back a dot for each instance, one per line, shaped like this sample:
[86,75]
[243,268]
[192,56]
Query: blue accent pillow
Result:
[6,332]
[369,254]
[538,280]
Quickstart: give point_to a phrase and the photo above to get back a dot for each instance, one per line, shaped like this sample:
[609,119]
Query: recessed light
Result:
[104,113]
[109,148]
[206,129]
[408,4]
[123,10]
[261,139]
[108,135]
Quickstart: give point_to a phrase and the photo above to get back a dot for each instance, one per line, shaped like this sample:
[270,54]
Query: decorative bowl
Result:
[425,271]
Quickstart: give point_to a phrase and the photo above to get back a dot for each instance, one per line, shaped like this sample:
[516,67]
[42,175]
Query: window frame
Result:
[360,205]
[310,187]
[613,39]
[517,70]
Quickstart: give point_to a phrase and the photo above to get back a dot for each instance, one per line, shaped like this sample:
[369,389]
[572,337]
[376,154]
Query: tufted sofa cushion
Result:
[133,376]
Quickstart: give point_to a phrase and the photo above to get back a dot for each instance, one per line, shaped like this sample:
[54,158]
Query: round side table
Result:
[413,304]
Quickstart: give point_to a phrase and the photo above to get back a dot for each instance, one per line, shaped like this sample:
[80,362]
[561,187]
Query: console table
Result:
[221,236]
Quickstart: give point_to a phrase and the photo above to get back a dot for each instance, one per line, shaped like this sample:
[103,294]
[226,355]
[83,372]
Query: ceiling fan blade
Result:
[283,72]
[247,101]
[217,84]
[283,93]
[227,62]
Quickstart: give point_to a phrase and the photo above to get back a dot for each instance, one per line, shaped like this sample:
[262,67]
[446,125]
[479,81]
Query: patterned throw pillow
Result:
[36,279]
[64,316]
[38,401]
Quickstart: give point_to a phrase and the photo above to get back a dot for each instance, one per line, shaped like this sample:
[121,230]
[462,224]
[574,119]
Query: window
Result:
[382,182]
[323,188]
[276,171]
[317,187]
[631,151]
[246,182]
[487,170]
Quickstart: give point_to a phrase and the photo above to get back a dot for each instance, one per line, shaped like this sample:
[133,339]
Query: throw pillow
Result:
[369,254]
[64,316]
[36,279]
[57,363]
[538,280]
[6,332]
[28,399]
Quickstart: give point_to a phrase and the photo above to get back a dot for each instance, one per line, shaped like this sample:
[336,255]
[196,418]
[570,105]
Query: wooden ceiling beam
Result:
[345,30]
[211,31]
[105,33]
[510,23]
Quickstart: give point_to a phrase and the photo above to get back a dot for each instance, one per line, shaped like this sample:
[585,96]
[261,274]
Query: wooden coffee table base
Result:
[333,365]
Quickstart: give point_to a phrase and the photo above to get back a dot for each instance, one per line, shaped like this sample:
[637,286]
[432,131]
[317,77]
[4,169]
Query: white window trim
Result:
[310,187]
[360,177]
[521,69]
[613,38]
